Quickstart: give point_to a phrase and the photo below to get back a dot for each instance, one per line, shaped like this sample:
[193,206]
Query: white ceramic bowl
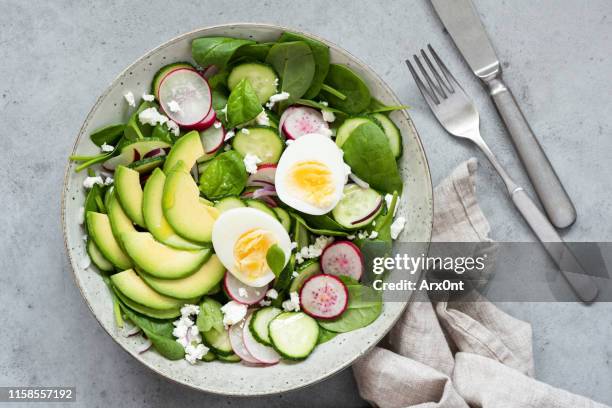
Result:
[225,378]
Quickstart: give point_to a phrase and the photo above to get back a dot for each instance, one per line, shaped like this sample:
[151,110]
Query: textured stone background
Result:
[58,56]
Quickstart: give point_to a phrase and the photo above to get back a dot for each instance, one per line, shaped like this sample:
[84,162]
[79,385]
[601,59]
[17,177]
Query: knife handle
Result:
[548,187]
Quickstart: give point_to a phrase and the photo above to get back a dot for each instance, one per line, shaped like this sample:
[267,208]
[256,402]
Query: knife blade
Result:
[462,22]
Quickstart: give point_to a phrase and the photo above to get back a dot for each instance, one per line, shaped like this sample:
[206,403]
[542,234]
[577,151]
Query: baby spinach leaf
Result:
[161,328]
[377,106]
[275,257]
[323,222]
[210,316]
[325,335]
[320,106]
[216,50]
[107,134]
[282,282]
[257,52]
[224,176]
[320,53]
[318,231]
[218,80]
[364,306]
[294,62]
[134,130]
[162,132]
[368,153]
[243,104]
[167,347]
[91,200]
[345,81]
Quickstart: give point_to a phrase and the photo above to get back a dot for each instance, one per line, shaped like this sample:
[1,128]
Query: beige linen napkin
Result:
[457,354]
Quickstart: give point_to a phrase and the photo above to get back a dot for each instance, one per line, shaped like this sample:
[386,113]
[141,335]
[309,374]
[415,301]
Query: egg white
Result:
[228,228]
[311,147]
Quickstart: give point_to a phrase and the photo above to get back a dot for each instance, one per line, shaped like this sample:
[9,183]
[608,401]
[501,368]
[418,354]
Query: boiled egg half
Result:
[241,238]
[311,174]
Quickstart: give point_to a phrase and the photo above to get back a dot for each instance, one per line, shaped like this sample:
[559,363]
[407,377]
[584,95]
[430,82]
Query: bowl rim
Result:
[107,89]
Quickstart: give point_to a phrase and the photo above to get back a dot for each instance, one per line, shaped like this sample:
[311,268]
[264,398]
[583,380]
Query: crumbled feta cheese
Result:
[174,106]
[229,135]
[89,182]
[107,148]
[283,96]
[195,353]
[173,127]
[315,250]
[362,234]
[373,235]
[295,274]
[325,131]
[233,312]
[388,200]
[328,115]
[272,294]
[190,335]
[351,237]
[293,303]
[217,124]
[262,119]
[397,227]
[129,98]
[293,246]
[85,262]
[151,116]
[242,292]
[250,163]
[245,131]
[264,303]
[276,83]
[108,181]
[148,97]
[299,258]
[81,215]
[189,310]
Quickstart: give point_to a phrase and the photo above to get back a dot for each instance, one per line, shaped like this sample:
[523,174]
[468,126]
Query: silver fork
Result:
[457,114]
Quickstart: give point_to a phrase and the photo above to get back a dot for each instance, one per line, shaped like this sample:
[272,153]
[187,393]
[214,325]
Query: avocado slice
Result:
[133,287]
[119,221]
[154,215]
[161,260]
[187,149]
[97,258]
[190,217]
[100,231]
[147,311]
[129,192]
[196,285]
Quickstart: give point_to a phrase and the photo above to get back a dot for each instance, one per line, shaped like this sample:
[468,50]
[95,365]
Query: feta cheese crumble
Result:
[108,181]
[328,115]
[107,148]
[148,97]
[174,106]
[233,312]
[264,303]
[325,131]
[373,235]
[313,251]
[397,227]
[89,182]
[217,124]
[272,294]
[295,274]
[193,353]
[283,96]
[151,116]
[245,131]
[293,303]
[250,162]
[188,335]
[262,119]
[129,98]
[242,292]
[173,127]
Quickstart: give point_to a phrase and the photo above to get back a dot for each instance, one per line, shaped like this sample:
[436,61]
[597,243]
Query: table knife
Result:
[462,22]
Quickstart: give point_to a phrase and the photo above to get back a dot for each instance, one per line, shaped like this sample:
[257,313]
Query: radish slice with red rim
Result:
[185,96]
[155,153]
[242,293]
[303,120]
[237,342]
[264,354]
[324,296]
[212,138]
[265,176]
[285,115]
[342,258]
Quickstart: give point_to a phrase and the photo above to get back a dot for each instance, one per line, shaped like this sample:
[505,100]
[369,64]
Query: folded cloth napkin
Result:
[457,354]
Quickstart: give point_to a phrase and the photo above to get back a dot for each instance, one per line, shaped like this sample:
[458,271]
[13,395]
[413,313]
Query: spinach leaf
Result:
[351,85]
[224,176]
[294,62]
[91,200]
[325,335]
[320,53]
[134,130]
[377,106]
[107,134]
[318,231]
[320,106]
[275,258]
[257,52]
[243,104]
[216,50]
[162,132]
[323,222]
[281,284]
[210,316]
[167,347]
[218,80]
[368,153]
[364,306]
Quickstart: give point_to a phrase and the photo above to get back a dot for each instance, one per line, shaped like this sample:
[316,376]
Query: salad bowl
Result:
[416,206]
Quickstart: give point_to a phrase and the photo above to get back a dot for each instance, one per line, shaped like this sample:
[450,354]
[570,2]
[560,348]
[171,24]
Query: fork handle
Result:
[546,183]
[583,284]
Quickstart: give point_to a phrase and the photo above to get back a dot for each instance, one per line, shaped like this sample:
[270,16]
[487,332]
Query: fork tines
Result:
[433,92]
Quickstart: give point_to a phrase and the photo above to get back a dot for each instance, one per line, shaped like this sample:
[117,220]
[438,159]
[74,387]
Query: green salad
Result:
[233,213]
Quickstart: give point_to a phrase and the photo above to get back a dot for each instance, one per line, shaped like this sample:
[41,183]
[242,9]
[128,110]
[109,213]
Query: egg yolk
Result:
[250,252]
[311,181]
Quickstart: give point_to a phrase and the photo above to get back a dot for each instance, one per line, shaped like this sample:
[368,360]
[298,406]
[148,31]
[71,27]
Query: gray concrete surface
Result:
[57,56]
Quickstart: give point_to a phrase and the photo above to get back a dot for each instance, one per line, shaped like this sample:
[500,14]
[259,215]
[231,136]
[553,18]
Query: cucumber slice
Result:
[232,358]
[147,165]
[218,342]
[358,206]
[294,334]
[98,258]
[263,142]
[392,133]
[262,77]
[305,271]
[345,130]
[259,324]
[164,71]
[260,206]
[284,217]
[228,203]
[208,357]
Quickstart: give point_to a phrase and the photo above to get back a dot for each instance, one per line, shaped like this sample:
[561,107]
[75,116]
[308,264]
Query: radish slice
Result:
[324,296]
[144,346]
[242,293]
[264,354]
[237,342]
[342,258]
[303,120]
[264,192]
[185,96]
[212,138]
[265,176]
[154,153]
[285,115]
[205,123]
